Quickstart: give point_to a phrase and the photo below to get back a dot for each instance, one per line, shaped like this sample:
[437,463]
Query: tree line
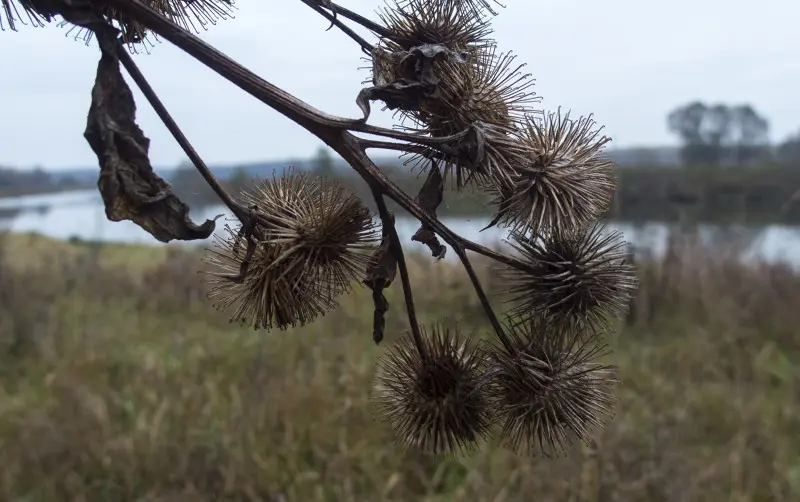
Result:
[724,134]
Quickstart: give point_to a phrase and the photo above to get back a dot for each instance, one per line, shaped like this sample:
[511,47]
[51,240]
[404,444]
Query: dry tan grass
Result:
[119,383]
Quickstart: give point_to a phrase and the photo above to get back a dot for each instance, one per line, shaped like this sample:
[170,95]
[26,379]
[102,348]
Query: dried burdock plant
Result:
[300,242]
[189,14]
[265,295]
[312,249]
[563,181]
[577,277]
[549,391]
[432,391]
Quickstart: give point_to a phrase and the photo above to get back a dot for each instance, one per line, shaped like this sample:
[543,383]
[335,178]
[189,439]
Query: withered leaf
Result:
[419,61]
[431,194]
[403,94]
[130,188]
[427,236]
[472,147]
[415,79]
[380,273]
[429,198]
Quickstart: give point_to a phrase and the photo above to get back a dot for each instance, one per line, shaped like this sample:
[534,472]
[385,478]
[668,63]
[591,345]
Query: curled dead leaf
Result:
[130,188]
[381,271]
[415,79]
[429,198]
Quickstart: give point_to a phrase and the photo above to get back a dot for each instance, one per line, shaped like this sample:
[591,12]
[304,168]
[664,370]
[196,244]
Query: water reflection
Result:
[80,214]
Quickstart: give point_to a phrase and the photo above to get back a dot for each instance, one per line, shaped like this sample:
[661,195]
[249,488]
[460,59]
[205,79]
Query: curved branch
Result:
[332,130]
[283,102]
[315,4]
[359,19]
[172,126]
[396,248]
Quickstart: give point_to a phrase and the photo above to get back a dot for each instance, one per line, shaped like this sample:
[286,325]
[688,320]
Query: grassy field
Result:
[118,382]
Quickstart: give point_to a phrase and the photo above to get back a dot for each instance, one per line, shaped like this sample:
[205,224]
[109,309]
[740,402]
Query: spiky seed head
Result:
[416,23]
[486,156]
[564,181]
[419,22]
[434,402]
[191,15]
[549,392]
[321,226]
[266,296]
[313,249]
[472,7]
[489,88]
[578,277]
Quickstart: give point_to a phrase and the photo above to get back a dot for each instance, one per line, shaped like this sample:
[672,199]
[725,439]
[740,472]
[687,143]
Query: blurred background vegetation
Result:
[725,170]
[118,382]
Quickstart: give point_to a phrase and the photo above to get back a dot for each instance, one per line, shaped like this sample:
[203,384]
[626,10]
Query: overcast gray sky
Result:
[627,61]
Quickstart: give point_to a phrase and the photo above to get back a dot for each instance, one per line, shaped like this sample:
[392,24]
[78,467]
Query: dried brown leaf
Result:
[406,79]
[429,198]
[381,271]
[130,188]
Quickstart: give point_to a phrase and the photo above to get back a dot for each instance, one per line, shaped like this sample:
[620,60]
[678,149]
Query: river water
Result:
[80,214]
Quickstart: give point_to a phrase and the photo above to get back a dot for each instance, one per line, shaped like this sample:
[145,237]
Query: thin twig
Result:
[364,22]
[175,130]
[393,145]
[349,147]
[332,130]
[487,307]
[365,46]
[396,248]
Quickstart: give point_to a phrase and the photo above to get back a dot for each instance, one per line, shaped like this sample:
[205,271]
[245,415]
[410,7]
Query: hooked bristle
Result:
[418,22]
[191,15]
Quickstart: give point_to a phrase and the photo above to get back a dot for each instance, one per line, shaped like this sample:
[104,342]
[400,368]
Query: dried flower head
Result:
[418,22]
[579,277]
[550,392]
[490,88]
[266,296]
[320,224]
[442,28]
[189,14]
[313,249]
[433,398]
[563,182]
[473,7]
[490,91]
[484,156]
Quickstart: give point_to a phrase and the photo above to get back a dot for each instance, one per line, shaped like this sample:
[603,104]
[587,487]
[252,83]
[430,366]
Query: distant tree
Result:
[190,185]
[323,163]
[239,175]
[788,152]
[716,134]
[238,179]
[18,179]
[750,135]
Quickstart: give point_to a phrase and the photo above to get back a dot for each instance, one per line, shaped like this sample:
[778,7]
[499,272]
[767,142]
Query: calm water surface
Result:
[81,214]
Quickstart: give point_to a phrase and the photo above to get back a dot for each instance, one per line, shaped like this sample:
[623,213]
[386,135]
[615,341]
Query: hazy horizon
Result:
[627,62]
